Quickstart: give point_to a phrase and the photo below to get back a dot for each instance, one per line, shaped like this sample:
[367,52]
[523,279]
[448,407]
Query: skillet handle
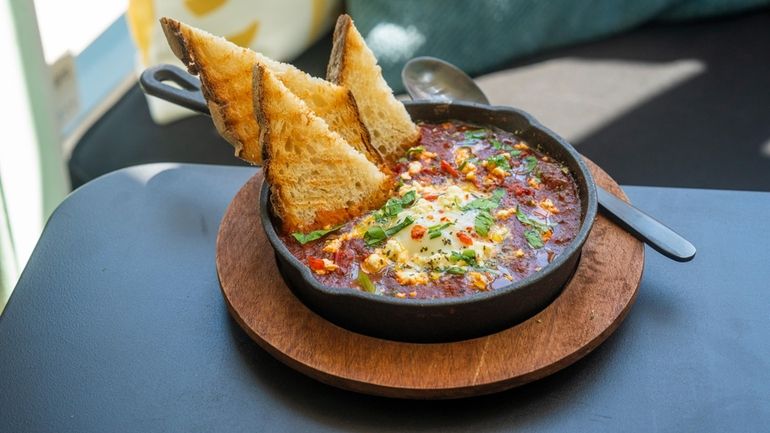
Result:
[152,81]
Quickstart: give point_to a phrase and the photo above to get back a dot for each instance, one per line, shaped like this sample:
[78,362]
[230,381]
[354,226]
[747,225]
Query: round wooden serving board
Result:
[589,309]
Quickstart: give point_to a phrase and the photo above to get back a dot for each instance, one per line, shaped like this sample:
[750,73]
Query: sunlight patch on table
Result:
[577,97]
[764,150]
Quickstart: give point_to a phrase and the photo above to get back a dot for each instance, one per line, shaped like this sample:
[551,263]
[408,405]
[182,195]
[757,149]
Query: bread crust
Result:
[350,60]
[337,58]
[179,42]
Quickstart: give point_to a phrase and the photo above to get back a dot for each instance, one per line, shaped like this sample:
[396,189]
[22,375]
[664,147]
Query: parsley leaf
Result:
[398,227]
[468,256]
[515,153]
[499,161]
[483,222]
[486,203]
[537,228]
[533,238]
[455,270]
[527,220]
[476,134]
[409,198]
[303,238]
[531,163]
[374,235]
[394,205]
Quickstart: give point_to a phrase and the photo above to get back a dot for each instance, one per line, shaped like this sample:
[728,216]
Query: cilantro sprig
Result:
[498,161]
[476,134]
[530,163]
[483,222]
[468,256]
[486,203]
[394,206]
[535,231]
[376,234]
[304,238]
[534,238]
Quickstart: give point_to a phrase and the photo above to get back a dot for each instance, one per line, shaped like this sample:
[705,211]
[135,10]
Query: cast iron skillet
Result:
[435,320]
[431,320]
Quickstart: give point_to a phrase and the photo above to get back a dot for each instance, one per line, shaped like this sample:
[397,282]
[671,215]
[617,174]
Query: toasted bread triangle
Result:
[225,70]
[354,66]
[316,179]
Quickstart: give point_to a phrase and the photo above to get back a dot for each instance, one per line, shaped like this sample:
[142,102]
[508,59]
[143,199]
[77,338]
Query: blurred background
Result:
[658,92]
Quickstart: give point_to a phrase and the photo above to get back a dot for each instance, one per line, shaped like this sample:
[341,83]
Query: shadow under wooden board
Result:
[590,308]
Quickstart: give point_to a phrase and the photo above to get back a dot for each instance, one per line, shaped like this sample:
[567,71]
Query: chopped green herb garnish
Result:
[455,270]
[527,220]
[499,161]
[435,231]
[468,256]
[537,228]
[466,162]
[496,144]
[533,238]
[483,222]
[374,235]
[476,134]
[394,205]
[414,151]
[365,283]
[303,238]
[409,198]
[398,227]
[486,203]
[515,153]
[531,163]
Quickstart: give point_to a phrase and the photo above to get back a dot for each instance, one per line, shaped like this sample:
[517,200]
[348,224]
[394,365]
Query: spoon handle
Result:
[646,228]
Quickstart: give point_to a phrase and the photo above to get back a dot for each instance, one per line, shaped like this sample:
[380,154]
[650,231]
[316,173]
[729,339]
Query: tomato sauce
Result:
[476,209]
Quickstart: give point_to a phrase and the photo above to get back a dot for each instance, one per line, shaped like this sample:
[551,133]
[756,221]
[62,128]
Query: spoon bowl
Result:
[436,80]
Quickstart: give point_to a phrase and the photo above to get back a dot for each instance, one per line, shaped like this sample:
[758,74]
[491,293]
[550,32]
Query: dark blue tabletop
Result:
[117,324]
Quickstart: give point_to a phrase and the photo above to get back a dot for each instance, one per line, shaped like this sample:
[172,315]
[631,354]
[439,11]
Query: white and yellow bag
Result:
[280,29]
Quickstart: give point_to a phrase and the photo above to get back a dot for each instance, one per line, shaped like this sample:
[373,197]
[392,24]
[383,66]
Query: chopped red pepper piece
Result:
[464,239]
[315,263]
[430,197]
[447,167]
[418,231]
[519,191]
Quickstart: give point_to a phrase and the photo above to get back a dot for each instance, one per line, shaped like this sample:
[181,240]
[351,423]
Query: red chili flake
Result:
[430,197]
[464,239]
[519,191]
[449,169]
[315,263]
[418,231]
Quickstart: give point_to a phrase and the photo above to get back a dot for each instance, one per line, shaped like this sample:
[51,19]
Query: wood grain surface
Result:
[589,309]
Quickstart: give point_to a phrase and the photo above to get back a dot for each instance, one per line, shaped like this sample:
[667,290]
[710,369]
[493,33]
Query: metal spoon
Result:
[434,79]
